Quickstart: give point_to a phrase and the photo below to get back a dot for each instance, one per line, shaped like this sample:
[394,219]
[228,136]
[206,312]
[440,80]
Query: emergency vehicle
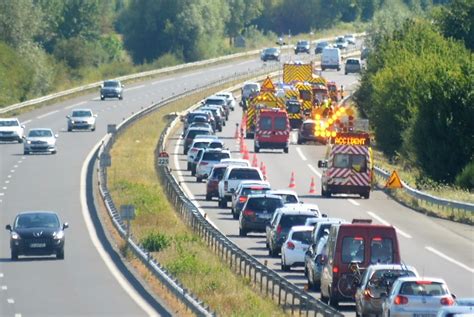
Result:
[348,168]
[272,130]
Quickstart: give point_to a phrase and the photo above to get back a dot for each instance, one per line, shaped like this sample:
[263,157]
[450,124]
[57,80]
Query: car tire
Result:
[223,203]
[235,215]
[26,152]
[286,150]
[208,197]
[20,140]
[14,255]
[366,195]
[102,98]
[121,98]
[333,302]
[345,73]
[188,167]
[69,129]
[242,232]
[60,254]
[285,268]
[93,129]
[198,179]
[54,152]
[273,253]
[193,171]
[256,149]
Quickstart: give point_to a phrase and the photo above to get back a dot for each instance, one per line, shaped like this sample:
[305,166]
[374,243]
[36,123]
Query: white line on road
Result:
[315,171]
[6,182]
[444,256]
[403,233]
[75,105]
[47,114]
[300,153]
[26,122]
[17,315]
[4,287]
[9,176]
[161,81]
[96,98]
[243,63]
[10,301]
[136,87]
[4,188]
[1,275]
[352,201]
[15,166]
[12,171]
[2,194]
[123,282]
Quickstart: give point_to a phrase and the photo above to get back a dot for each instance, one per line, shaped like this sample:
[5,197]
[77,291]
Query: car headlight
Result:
[58,235]
[15,236]
[28,141]
[72,121]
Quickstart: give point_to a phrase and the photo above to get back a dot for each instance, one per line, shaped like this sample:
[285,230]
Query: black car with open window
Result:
[37,233]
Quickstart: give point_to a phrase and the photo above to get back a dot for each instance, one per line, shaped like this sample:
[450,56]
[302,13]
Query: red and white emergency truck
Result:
[348,167]
[272,130]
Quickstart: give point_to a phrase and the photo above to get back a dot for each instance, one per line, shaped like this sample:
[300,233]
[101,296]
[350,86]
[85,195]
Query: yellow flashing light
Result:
[317,133]
[317,116]
[330,121]
[333,134]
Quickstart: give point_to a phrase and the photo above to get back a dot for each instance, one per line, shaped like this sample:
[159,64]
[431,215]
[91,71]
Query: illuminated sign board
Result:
[352,139]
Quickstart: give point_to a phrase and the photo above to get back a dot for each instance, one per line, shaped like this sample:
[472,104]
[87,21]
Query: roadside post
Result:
[127,212]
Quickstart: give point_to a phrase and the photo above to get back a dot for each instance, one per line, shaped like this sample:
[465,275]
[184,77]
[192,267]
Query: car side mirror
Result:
[322,164]
[453,296]
[68,117]
[65,225]
[8,227]
[23,126]
[123,86]
[102,86]
[324,215]
[56,136]
[95,116]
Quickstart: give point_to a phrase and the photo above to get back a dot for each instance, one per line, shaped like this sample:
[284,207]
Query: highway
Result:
[435,247]
[87,282]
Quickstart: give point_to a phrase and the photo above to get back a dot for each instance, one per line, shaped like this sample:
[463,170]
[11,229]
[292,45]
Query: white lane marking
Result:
[243,63]
[17,315]
[96,98]
[224,67]
[9,176]
[15,166]
[136,87]
[4,188]
[300,153]
[4,287]
[98,246]
[20,161]
[400,232]
[2,194]
[1,275]
[75,105]
[352,201]
[6,182]
[47,114]
[185,187]
[444,256]
[10,301]
[12,171]
[161,81]
[26,122]
[315,171]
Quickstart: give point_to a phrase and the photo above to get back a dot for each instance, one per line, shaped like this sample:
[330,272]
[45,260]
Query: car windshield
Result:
[270,51]
[288,221]
[193,133]
[280,123]
[352,62]
[111,84]
[81,113]
[215,156]
[200,145]
[244,174]
[9,123]
[322,44]
[353,250]
[302,236]
[303,43]
[308,127]
[36,220]
[250,88]
[423,288]
[293,107]
[264,204]
[40,133]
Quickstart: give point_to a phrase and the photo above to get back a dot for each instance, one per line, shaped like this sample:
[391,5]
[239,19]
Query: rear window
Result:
[352,62]
[211,156]
[381,250]
[215,102]
[288,221]
[306,95]
[253,191]
[216,145]
[265,123]
[244,174]
[201,145]
[302,236]
[280,123]
[423,288]
[357,162]
[218,173]
[308,127]
[381,278]
[288,199]
[353,250]
[264,203]
[192,133]
[293,107]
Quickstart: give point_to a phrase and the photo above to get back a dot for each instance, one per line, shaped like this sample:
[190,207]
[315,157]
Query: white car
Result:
[233,175]
[288,196]
[236,162]
[209,158]
[230,99]
[198,143]
[11,130]
[350,38]
[415,296]
[81,119]
[40,140]
[295,246]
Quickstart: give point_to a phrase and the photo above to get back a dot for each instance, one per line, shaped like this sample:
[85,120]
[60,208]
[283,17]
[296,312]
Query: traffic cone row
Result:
[292,180]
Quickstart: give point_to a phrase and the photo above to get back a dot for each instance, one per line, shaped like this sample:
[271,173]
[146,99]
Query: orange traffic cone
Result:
[236,135]
[254,161]
[246,155]
[292,180]
[312,187]
[263,168]
[242,144]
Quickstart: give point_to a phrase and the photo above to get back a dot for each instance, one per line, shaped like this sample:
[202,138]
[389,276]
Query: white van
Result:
[331,58]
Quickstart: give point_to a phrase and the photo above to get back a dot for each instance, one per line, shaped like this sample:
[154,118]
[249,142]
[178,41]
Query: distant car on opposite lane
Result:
[303,46]
[111,89]
[270,54]
[40,141]
[81,119]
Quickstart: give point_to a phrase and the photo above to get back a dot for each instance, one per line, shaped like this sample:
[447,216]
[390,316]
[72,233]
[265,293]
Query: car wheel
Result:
[93,129]
[208,197]
[69,129]
[102,98]
[366,195]
[60,254]
[188,167]
[242,232]
[256,149]
[286,150]
[285,268]
[20,140]
[193,172]
[299,141]
[223,203]
[26,152]
[53,152]
[198,179]
[235,215]
[14,255]
[333,302]
[121,98]
[272,252]
[345,73]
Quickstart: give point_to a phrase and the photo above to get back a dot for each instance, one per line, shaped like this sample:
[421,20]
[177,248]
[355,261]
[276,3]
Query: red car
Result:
[213,180]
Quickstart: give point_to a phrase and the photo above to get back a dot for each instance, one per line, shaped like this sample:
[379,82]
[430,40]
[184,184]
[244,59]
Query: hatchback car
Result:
[218,114]
[111,89]
[302,47]
[306,132]
[295,247]
[81,119]
[191,134]
[245,189]
[257,212]
[11,130]
[350,38]
[270,54]
[288,196]
[209,158]
[213,180]
[194,148]
[320,46]
[40,141]
[414,296]
[37,233]
[378,279]
[353,65]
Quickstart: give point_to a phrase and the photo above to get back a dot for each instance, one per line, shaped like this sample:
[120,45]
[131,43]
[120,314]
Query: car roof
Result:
[216,97]
[290,210]
[206,136]
[9,119]
[254,183]
[232,167]
[111,80]
[198,129]
[424,278]
[216,150]
[37,212]
[380,266]
[81,109]
[301,228]
[265,195]
[40,129]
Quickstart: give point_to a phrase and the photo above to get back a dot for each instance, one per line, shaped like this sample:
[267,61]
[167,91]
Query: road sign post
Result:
[163,159]
[127,212]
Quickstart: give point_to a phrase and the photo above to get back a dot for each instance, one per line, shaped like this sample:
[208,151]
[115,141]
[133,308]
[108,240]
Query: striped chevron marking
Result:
[295,72]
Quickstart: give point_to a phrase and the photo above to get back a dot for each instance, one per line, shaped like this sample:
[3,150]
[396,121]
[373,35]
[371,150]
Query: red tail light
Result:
[423,282]
[279,229]
[242,199]
[401,300]
[377,239]
[447,301]
[249,213]
[290,245]
[335,269]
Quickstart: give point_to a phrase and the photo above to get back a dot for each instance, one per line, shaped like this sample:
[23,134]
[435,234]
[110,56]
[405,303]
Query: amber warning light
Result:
[352,139]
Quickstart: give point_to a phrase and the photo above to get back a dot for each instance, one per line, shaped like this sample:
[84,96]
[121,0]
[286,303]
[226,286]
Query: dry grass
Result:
[132,180]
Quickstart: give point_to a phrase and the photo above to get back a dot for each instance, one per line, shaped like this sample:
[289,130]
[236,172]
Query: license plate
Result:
[265,216]
[37,245]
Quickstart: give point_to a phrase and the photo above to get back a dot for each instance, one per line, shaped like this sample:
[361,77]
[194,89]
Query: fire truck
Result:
[272,130]
[348,167]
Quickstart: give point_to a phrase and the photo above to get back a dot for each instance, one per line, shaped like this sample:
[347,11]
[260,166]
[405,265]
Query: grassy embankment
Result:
[132,180]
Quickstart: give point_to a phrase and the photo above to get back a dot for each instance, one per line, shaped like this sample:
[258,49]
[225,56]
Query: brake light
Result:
[401,300]
[358,238]
[377,239]
[423,282]
[256,188]
[249,213]
[290,245]
[279,229]
[335,269]
[194,149]
[447,301]
[242,199]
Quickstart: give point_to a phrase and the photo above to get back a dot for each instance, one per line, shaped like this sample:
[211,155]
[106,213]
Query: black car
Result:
[111,89]
[302,47]
[307,132]
[37,233]
[270,54]
[320,46]
[257,213]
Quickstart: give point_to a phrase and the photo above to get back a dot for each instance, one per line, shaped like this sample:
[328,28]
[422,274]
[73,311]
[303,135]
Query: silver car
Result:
[111,89]
[40,141]
[81,119]
[414,296]
[378,279]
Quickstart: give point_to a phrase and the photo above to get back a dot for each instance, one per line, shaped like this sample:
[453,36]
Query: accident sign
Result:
[394,181]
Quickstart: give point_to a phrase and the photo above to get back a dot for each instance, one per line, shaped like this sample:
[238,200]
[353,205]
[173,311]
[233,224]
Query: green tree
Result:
[15,78]
[81,18]
[457,21]
[242,13]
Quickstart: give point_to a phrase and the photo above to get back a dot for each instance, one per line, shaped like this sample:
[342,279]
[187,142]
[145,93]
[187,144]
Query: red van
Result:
[272,130]
[358,244]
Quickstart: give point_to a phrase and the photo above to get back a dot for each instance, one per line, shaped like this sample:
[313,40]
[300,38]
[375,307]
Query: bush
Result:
[155,242]
[465,179]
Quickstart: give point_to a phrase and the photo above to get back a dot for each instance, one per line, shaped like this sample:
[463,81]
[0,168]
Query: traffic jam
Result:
[345,260]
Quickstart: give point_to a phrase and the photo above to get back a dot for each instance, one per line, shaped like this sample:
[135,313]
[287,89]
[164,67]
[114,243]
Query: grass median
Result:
[132,180]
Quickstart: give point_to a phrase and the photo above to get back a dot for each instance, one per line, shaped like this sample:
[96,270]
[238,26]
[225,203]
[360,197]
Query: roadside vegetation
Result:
[418,94]
[158,227]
